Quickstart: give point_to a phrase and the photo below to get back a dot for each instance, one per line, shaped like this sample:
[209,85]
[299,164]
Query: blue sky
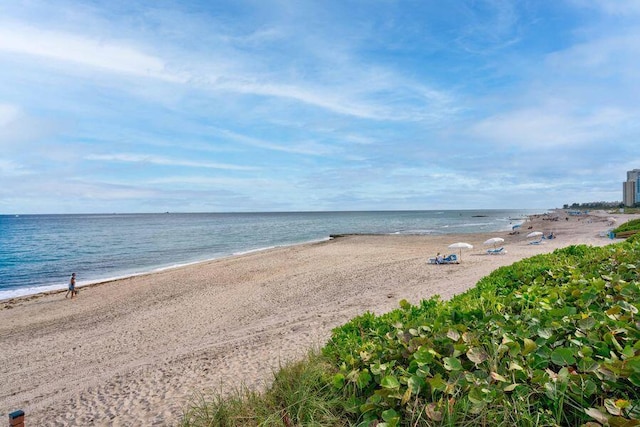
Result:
[274,105]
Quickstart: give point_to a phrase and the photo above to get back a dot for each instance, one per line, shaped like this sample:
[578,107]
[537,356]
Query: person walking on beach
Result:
[72,286]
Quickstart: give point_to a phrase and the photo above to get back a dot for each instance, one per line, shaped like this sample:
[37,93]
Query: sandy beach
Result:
[136,351]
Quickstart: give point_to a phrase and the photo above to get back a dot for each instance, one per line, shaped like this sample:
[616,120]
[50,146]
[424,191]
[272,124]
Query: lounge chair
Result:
[451,259]
[535,242]
[496,251]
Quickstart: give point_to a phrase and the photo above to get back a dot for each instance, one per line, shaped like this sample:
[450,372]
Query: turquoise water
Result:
[39,252]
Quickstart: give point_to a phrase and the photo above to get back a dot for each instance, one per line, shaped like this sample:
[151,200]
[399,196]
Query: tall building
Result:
[631,188]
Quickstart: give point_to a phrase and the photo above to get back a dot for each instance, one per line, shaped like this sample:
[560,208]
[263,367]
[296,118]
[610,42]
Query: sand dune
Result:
[136,351]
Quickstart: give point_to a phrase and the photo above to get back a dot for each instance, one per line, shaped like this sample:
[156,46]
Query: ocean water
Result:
[39,252]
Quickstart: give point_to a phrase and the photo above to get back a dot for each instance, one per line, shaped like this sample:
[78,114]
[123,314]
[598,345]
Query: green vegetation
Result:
[628,210]
[594,205]
[628,228]
[301,394]
[550,340]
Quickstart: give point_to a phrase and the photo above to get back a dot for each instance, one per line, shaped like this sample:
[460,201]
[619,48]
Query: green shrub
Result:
[551,339]
[632,225]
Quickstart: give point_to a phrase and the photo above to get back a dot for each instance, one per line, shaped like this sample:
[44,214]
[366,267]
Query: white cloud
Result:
[91,52]
[12,168]
[165,161]
[613,7]
[8,114]
[541,128]
[221,182]
[307,148]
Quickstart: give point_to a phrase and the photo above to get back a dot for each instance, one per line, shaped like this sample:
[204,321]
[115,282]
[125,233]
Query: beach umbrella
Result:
[494,241]
[535,234]
[461,246]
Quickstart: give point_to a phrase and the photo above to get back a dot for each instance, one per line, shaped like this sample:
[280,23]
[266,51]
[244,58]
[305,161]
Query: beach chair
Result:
[535,242]
[496,251]
[451,259]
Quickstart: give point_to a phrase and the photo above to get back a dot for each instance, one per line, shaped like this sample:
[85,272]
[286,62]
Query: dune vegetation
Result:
[628,228]
[551,340]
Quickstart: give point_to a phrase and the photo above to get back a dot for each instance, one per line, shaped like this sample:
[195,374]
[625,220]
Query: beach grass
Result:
[550,340]
[301,394]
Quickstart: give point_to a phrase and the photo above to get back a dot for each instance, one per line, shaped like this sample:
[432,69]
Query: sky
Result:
[298,105]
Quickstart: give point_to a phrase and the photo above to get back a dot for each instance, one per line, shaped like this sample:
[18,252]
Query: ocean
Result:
[39,252]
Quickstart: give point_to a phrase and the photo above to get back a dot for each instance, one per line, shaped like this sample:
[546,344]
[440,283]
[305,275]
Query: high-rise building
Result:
[631,188]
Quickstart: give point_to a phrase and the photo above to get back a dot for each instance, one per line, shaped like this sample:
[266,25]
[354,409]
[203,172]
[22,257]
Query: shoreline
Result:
[59,281]
[138,350]
[57,288]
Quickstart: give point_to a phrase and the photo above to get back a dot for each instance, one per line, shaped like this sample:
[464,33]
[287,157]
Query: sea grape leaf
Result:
[453,334]
[634,379]
[510,387]
[496,376]
[589,388]
[628,352]
[586,351]
[633,363]
[423,355]
[390,382]
[406,396]
[416,384]
[475,395]
[390,415]
[545,333]
[613,312]
[437,383]
[611,407]
[623,422]
[338,381]
[597,415]
[529,346]
[564,311]
[423,371]
[562,357]
[477,355]
[587,364]
[432,413]
[586,324]
[628,307]
[513,366]
[452,364]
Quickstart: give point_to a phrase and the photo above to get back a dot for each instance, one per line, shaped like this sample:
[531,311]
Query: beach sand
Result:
[136,351]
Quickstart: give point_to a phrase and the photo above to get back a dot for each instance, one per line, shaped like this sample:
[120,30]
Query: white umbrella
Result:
[461,246]
[535,234]
[494,241]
